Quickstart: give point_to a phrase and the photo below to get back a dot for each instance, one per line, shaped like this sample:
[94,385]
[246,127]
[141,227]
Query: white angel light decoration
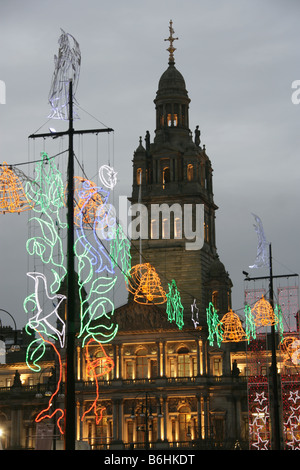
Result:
[67,67]
[262,257]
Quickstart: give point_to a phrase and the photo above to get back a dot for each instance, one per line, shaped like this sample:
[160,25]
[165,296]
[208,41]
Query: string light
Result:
[291,410]
[259,413]
[174,307]
[87,201]
[12,193]
[96,368]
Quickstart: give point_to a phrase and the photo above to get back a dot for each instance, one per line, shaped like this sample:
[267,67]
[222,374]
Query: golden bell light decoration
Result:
[12,194]
[145,284]
[230,328]
[263,313]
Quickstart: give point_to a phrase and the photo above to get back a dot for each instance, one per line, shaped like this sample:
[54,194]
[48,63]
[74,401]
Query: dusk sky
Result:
[239,59]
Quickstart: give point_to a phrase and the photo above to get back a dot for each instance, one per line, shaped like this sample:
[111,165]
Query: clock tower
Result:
[173,186]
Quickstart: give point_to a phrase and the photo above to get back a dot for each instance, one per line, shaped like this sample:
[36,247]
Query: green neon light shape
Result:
[250,324]
[212,323]
[174,307]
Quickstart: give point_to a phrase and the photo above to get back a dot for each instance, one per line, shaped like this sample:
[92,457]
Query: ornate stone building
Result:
[168,388]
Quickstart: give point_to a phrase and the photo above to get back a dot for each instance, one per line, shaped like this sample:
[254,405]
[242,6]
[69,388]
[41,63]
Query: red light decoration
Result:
[231,328]
[259,413]
[43,414]
[96,368]
[144,283]
[12,194]
[290,385]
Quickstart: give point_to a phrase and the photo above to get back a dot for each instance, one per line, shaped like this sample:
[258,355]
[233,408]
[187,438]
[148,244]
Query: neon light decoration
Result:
[290,385]
[231,329]
[108,176]
[174,306]
[120,250]
[259,413]
[212,323]
[12,194]
[96,368]
[67,67]
[263,313]
[290,348]
[94,259]
[195,314]
[250,325]
[46,192]
[87,201]
[144,282]
[46,320]
[53,411]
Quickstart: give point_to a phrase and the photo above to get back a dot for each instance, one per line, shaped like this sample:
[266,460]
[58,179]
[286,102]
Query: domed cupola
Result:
[172,101]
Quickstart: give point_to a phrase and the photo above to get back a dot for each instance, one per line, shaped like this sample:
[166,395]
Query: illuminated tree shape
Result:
[279,323]
[212,323]
[231,329]
[250,325]
[46,191]
[263,313]
[97,366]
[87,201]
[144,282]
[120,249]
[174,306]
[12,193]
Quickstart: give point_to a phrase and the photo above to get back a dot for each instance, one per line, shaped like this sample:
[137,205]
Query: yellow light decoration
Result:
[12,194]
[87,201]
[231,328]
[263,313]
[145,284]
[290,348]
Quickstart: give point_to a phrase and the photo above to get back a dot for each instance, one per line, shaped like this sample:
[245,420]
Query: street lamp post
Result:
[146,413]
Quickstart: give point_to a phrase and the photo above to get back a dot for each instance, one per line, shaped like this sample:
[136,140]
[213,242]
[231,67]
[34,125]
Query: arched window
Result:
[185,424]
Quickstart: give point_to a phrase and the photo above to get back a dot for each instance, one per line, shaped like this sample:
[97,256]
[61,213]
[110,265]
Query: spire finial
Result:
[171,49]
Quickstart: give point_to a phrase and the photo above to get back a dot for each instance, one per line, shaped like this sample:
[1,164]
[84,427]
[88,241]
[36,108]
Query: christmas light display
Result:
[259,413]
[98,365]
[250,325]
[12,193]
[120,250]
[46,192]
[195,314]
[263,313]
[212,323]
[67,67]
[46,320]
[290,385]
[108,176]
[96,309]
[174,308]
[262,255]
[230,328]
[144,282]
[290,348]
[87,201]
[51,410]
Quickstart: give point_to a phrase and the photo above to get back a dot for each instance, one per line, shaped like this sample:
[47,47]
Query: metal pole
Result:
[274,375]
[70,320]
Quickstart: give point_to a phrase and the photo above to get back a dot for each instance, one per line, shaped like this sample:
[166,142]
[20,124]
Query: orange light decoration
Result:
[263,313]
[87,201]
[145,284]
[12,194]
[96,368]
[231,328]
[290,348]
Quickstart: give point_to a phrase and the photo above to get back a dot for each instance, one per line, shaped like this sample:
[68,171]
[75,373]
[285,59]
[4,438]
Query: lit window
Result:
[190,172]
[139,174]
